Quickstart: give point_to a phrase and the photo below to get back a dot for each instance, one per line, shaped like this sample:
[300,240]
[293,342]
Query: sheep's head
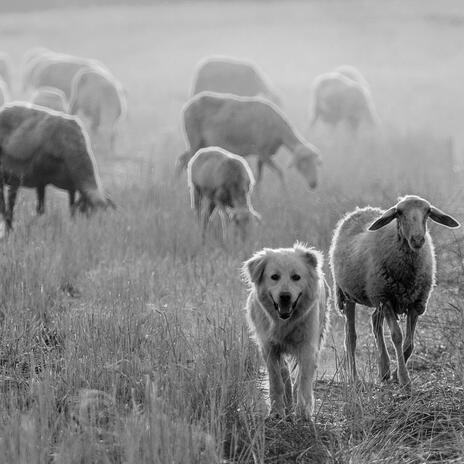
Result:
[88,205]
[411,213]
[182,162]
[307,160]
[241,217]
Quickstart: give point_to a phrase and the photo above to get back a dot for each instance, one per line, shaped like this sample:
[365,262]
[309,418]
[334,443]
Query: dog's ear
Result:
[253,269]
[311,257]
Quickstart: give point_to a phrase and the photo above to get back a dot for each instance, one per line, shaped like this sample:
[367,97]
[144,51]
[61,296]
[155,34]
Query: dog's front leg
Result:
[276,384]
[304,384]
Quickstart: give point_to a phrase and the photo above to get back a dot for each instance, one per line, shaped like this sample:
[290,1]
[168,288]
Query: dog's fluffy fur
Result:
[288,314]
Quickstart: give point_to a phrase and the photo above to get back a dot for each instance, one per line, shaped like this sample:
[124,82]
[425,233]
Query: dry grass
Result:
[122,338]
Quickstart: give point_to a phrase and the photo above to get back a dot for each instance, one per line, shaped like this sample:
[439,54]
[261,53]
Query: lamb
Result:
[340,98]
[52,98]
[246,126]
[40,147]
[51,69]
[225,181]
[99,97]
[390,266]
[230,75]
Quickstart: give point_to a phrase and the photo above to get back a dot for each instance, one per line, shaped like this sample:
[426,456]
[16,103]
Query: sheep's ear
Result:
[312,258]
[253,269]
[442,218]
[385,219]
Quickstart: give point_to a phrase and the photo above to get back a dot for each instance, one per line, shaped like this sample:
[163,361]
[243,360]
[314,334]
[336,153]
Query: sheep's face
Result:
[412,222]
[307,162]
[411,213]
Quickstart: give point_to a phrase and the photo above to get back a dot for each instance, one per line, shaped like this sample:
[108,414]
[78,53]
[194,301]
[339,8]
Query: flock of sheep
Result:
[45,140]
[380,259]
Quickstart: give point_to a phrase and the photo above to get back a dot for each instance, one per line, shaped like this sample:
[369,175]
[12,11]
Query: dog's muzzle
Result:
[285,307]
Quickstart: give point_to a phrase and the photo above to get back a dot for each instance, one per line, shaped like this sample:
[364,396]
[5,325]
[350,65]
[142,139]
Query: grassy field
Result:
[123,338]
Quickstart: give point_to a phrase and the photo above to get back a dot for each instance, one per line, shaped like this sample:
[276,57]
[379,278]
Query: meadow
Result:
[123,337]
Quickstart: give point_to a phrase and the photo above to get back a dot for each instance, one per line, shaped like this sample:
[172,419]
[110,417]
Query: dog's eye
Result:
[296,277]
[275,276]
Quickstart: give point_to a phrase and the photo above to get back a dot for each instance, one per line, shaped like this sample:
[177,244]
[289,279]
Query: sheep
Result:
[230,75]
[340,98]
[226,182]
[52,69]
[246,126]
[389,266]
[99,97]
[40,147]
[52,98]
[5,69]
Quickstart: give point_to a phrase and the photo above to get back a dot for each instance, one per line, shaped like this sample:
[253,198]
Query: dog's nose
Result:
[285,298]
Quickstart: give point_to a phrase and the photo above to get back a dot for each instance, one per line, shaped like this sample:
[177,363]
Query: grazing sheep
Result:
[5,69]
[389,265]
[98,97]
[230,75]
[225,181]
[340,98]
[51,69]
[246,126]
[52,98]
[40,147]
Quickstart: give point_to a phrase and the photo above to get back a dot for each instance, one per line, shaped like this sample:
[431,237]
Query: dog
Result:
[288,314]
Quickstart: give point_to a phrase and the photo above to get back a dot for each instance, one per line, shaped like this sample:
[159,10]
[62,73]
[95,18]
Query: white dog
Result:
[288,313]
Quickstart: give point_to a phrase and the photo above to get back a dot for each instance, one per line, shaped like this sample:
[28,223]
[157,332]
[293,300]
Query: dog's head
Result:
[286,279]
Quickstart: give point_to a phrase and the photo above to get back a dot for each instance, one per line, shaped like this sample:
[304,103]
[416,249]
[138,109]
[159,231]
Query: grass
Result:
[122,337]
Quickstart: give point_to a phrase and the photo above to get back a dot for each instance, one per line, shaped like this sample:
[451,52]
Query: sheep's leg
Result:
[206,217]
[72,202]
[40,199]
[278,171]
[350,338]
[384,359]
[284,372]
[2,196]
[408,346]
[259,171]
[276,385]
[397,339]
[12,193]
[196,202]
[223,216]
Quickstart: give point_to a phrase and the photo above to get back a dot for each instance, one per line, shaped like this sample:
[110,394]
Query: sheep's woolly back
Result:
[207,103]
[257,79]
[226,156]
[99,80]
